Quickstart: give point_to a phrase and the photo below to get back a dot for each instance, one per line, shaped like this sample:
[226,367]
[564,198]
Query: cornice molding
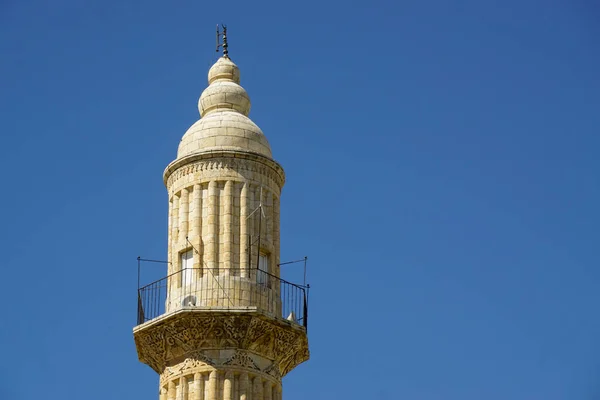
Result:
[183,334]
[215,160]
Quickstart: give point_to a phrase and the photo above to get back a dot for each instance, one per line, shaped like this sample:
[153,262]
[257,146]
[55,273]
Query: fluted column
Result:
[244,383]
[185,388]
[278,393]
[170,237]
[268,202]
[244,230]
[171,391]
[228,386]
[182,389]
[198,387]
[227,226]
[213,390]
[236,388]
[174,237]
[251,233]
[175,224]
[196,229]
[261,225]
[267,390]
[184,207]
[211,243]
[258,388]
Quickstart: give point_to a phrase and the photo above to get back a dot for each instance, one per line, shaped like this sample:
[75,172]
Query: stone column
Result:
[171,391]
[228,386]
[182,389]
[268,206]
[251,233]
[244,230]
[261,226]
[170,238]
[227,224]
[175,225]
[258,388]
[198,386]
[213,390]
[174,248]
[213,219]
[185,388]
[277,392]
[236,387]
[267,391]
[196,231]
[244,386]
[184,209]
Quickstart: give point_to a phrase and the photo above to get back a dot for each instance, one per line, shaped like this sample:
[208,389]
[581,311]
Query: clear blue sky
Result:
[443,179]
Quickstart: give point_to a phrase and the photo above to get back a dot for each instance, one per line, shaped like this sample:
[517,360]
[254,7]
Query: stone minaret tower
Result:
[222,325]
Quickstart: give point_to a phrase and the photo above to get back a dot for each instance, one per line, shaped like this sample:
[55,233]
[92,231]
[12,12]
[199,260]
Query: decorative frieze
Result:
[224,165]
[182,334]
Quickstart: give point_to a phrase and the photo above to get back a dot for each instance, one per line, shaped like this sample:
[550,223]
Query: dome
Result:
[224,130]
[224,124]
[224,95]
[224,69]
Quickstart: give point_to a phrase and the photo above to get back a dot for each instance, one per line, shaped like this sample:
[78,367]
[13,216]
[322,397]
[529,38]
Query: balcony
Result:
[224,289]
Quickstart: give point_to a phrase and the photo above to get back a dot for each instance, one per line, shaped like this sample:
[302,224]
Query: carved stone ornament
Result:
[191,363]
[273,370]
[183,333]
[242,359]
[216,161]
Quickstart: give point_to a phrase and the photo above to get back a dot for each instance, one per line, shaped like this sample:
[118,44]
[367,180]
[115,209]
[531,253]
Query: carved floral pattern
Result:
[194,361]
[242,359]
[184,335]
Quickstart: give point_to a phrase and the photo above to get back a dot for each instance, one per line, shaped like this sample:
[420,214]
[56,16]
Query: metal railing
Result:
[203,288]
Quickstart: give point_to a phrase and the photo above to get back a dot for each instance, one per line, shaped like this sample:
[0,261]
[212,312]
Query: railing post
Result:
[140,310]
[306,306]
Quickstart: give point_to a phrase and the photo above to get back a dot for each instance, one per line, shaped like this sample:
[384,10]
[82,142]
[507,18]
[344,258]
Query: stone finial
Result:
[224,91]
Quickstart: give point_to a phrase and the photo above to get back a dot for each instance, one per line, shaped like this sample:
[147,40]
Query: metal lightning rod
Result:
[224,45]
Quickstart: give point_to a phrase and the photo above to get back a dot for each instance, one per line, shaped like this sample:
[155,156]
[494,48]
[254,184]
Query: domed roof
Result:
[224,68]
[224,124]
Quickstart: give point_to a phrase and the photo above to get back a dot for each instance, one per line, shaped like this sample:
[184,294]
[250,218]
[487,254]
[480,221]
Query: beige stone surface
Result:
[218,194]
[224,106]
[222,336]
[226,352]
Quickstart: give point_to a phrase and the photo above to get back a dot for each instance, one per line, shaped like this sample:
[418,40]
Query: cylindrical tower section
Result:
[210,229]
[196,380]
[224,189]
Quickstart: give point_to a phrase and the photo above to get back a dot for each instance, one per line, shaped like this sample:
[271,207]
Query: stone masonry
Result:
[222,335]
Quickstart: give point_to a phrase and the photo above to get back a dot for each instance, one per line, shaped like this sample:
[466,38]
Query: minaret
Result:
[222,325]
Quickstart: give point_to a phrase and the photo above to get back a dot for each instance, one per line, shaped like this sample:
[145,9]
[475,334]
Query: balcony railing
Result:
[224,289]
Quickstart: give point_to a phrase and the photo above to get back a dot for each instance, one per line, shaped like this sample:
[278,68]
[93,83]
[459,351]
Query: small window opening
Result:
[262,276]
[187,265]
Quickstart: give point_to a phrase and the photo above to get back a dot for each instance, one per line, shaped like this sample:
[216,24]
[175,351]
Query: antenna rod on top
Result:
[224,44]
